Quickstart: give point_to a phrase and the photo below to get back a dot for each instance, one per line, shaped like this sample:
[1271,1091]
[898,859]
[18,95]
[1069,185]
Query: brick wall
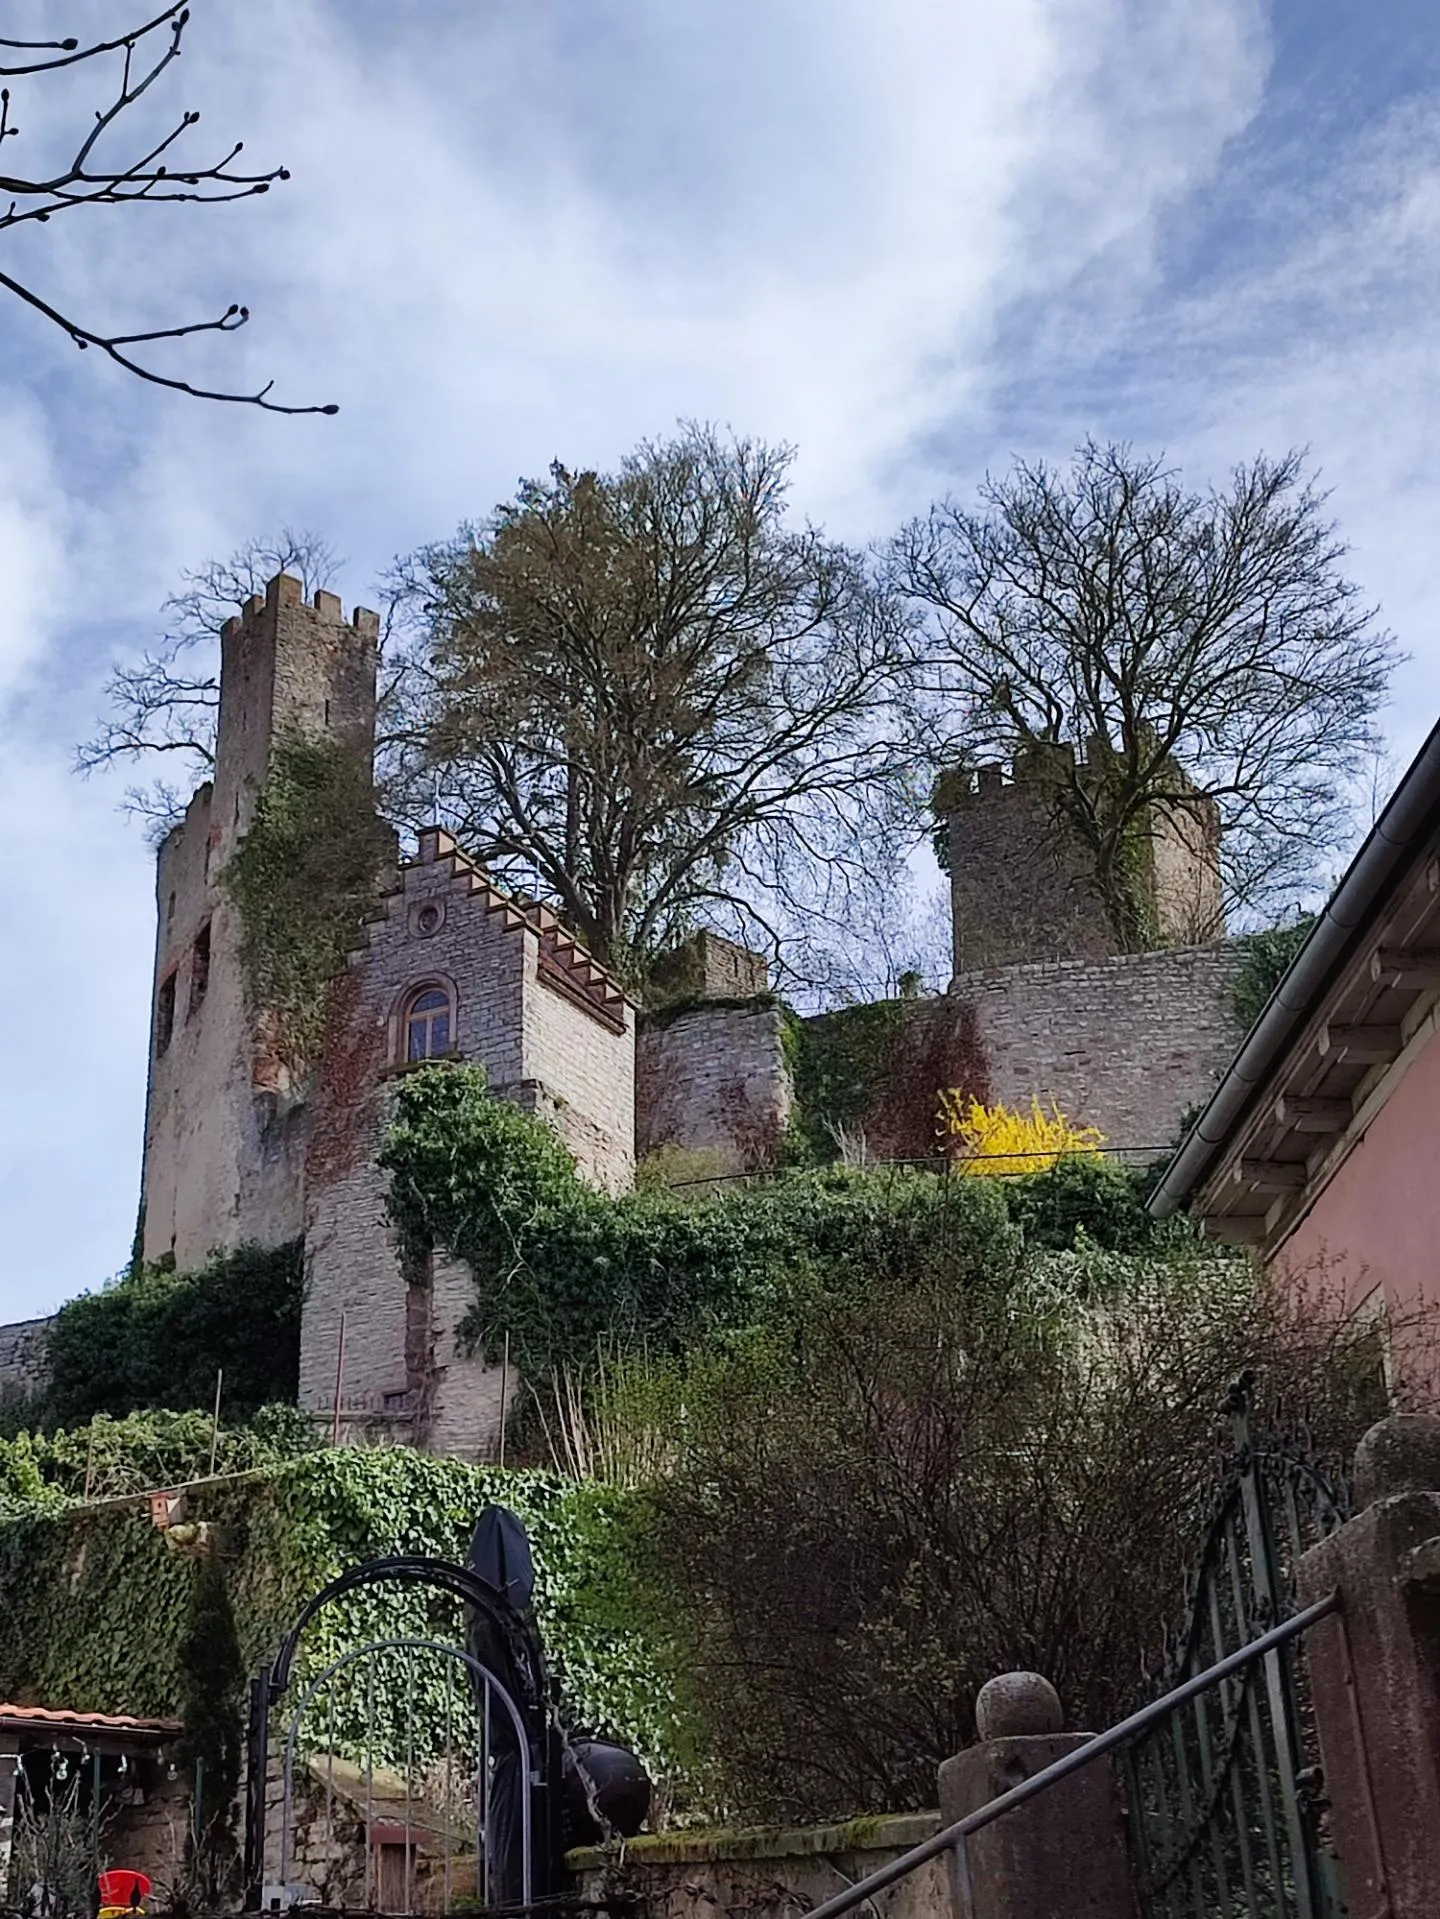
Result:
[713,1080]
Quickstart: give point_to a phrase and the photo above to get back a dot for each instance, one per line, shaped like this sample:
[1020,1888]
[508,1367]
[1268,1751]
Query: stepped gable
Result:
[562,962]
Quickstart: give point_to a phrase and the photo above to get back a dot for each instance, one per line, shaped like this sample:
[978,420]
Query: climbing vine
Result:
[108,1458]
[100,1607]
[838,1062]
[304,881]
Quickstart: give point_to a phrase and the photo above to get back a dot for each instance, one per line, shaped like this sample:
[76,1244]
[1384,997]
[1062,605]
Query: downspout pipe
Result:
[1409,815]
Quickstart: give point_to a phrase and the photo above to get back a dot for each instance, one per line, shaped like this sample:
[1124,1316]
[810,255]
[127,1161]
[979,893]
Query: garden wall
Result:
[762,1872]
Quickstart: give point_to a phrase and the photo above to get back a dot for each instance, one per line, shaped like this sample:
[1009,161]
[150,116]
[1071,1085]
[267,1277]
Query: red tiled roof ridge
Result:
[69,1716]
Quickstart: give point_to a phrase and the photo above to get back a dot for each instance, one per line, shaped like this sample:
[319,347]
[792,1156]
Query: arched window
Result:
[429,1023]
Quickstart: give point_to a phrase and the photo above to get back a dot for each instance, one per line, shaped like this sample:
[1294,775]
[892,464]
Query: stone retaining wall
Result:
[765,1872]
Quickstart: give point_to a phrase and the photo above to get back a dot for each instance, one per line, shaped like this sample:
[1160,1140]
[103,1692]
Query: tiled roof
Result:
[68,1721]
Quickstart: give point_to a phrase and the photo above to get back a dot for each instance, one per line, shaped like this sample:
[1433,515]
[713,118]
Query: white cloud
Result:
[515,233]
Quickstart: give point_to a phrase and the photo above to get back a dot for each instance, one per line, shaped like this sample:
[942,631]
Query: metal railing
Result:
[953,1837]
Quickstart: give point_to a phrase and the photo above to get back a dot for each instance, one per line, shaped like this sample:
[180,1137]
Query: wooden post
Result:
[504,1383]
[215,1422]
[339,1382]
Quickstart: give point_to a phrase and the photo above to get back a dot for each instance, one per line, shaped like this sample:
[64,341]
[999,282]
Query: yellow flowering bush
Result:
[997,1140]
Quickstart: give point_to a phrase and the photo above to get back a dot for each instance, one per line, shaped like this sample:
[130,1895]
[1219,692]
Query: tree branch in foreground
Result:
[87,181]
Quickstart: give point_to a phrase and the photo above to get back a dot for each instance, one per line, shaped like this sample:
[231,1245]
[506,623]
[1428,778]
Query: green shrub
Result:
[107,1458]
[889,1492]
[158,1338]
[1267,958]
[1094,1200]
[558,1265]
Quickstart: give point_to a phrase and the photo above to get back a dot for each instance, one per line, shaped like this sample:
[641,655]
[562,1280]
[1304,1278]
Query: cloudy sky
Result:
[914,239]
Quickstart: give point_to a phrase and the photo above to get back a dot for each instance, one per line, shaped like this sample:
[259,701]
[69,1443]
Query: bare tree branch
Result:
[1193,649]
[169,702]
[87,181]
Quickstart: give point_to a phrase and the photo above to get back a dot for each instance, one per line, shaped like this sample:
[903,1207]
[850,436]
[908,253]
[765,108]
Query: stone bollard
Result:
[1064,1851]
[1375,1673]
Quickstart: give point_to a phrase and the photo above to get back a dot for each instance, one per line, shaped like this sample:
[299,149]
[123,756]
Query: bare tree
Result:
[652,699]
[166,705]
[1208,644]
[92,174]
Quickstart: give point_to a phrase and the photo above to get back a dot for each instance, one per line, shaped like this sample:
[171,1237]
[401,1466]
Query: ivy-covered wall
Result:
[95,1599]
[876,1072]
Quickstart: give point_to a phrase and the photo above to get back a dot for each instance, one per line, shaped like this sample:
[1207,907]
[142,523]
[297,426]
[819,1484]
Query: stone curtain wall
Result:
[713,1080]
[22,1358]
[1128,1044]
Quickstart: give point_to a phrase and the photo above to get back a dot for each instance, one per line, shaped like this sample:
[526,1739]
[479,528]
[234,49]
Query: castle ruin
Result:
[1022,879]
[238,1148]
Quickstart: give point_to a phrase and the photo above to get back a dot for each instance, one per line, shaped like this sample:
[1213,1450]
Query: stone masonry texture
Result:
[1021,877]
[713,1081]
[22,1358]
[224,1130]
[1128,1044]
[234,1151]
[404,1371]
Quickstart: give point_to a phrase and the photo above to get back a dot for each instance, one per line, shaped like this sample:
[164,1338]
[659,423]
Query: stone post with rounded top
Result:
[1064,1850]
[1375,1673]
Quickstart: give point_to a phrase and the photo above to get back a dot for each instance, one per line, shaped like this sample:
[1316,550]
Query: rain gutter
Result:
[1407,818]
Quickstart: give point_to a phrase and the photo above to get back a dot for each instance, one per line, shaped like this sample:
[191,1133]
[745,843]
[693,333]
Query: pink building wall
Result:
[1377,1222]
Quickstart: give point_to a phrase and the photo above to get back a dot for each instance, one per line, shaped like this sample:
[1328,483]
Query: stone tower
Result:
[224,1128]
[1021,885]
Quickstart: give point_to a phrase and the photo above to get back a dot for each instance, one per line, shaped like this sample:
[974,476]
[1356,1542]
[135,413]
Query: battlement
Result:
[1052,762]
[1022,876]
[286,591]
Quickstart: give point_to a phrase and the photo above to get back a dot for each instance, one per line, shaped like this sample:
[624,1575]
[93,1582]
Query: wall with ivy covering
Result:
[95,1599]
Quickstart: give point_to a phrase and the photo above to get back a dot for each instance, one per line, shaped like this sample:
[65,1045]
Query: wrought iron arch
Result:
[531,1711]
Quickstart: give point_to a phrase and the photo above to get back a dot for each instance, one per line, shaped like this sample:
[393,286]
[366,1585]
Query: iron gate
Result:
[406,1772]
[1225,1812]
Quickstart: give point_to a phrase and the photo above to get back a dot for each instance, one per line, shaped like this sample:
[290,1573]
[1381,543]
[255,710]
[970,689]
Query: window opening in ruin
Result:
[199,971]
[427,1023]
[164,1014]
